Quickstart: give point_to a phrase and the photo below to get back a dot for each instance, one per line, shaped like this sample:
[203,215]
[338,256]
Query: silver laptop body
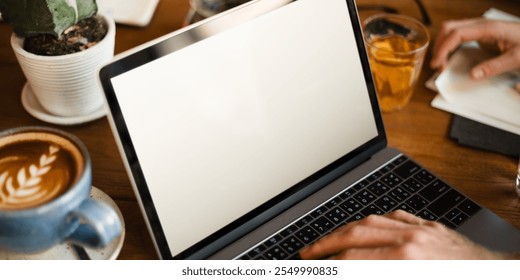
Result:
[237,130]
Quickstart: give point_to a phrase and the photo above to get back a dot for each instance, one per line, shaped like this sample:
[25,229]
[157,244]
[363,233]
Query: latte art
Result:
[34,172]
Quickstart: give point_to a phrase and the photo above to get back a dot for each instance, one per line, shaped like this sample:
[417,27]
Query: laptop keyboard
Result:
[401,184]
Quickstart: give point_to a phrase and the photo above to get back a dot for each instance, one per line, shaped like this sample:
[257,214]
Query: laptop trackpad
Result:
[498,235]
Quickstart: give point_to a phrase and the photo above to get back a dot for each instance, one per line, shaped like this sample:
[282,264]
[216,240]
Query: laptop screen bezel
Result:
[269,209]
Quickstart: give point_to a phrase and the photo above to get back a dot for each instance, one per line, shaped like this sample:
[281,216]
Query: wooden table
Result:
[419,130]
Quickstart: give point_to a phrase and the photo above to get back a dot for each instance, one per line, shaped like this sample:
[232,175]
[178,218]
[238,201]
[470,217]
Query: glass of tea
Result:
[396,47]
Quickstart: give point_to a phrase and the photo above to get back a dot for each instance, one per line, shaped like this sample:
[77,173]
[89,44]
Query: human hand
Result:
[398,235]
[502,35]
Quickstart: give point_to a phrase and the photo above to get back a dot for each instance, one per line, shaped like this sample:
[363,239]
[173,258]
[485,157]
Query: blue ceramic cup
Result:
[45,184]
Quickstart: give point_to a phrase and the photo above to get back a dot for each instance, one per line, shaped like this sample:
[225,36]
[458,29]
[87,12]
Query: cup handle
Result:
[99,224]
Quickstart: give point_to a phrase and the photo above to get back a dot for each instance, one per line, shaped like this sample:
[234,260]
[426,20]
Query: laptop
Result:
[257,131]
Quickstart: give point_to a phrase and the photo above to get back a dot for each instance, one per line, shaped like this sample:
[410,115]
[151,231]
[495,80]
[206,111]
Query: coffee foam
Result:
[36,167]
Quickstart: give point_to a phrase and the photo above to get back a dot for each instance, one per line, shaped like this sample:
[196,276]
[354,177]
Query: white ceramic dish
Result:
[67,252]
[33,107]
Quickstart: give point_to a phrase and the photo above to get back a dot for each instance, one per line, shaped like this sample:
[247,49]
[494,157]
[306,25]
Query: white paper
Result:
[131,12]
[440,103]
[494,97]
[491,101]
[500,15]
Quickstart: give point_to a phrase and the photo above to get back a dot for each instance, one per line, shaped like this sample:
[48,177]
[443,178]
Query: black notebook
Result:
[478,135]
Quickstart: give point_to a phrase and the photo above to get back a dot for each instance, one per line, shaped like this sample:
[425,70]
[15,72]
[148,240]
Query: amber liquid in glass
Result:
[395,68]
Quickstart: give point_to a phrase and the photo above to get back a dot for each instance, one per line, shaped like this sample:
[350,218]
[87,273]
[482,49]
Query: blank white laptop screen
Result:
[224,125]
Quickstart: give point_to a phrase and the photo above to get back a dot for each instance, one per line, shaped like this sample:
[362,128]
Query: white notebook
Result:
[493,101]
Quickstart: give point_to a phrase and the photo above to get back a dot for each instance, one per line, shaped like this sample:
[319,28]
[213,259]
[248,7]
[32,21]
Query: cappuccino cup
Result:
[45,184]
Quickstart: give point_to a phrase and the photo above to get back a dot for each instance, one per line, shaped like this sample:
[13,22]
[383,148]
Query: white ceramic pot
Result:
[66,85]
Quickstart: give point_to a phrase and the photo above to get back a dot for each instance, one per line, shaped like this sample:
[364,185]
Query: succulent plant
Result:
[31,17]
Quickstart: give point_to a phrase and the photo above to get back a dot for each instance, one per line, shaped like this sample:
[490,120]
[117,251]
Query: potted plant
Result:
[60,44]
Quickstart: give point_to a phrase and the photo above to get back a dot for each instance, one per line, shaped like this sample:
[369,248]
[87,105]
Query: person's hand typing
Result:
[398,235]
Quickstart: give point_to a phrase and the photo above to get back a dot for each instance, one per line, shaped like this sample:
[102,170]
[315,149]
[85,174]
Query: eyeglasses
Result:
[424,14]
